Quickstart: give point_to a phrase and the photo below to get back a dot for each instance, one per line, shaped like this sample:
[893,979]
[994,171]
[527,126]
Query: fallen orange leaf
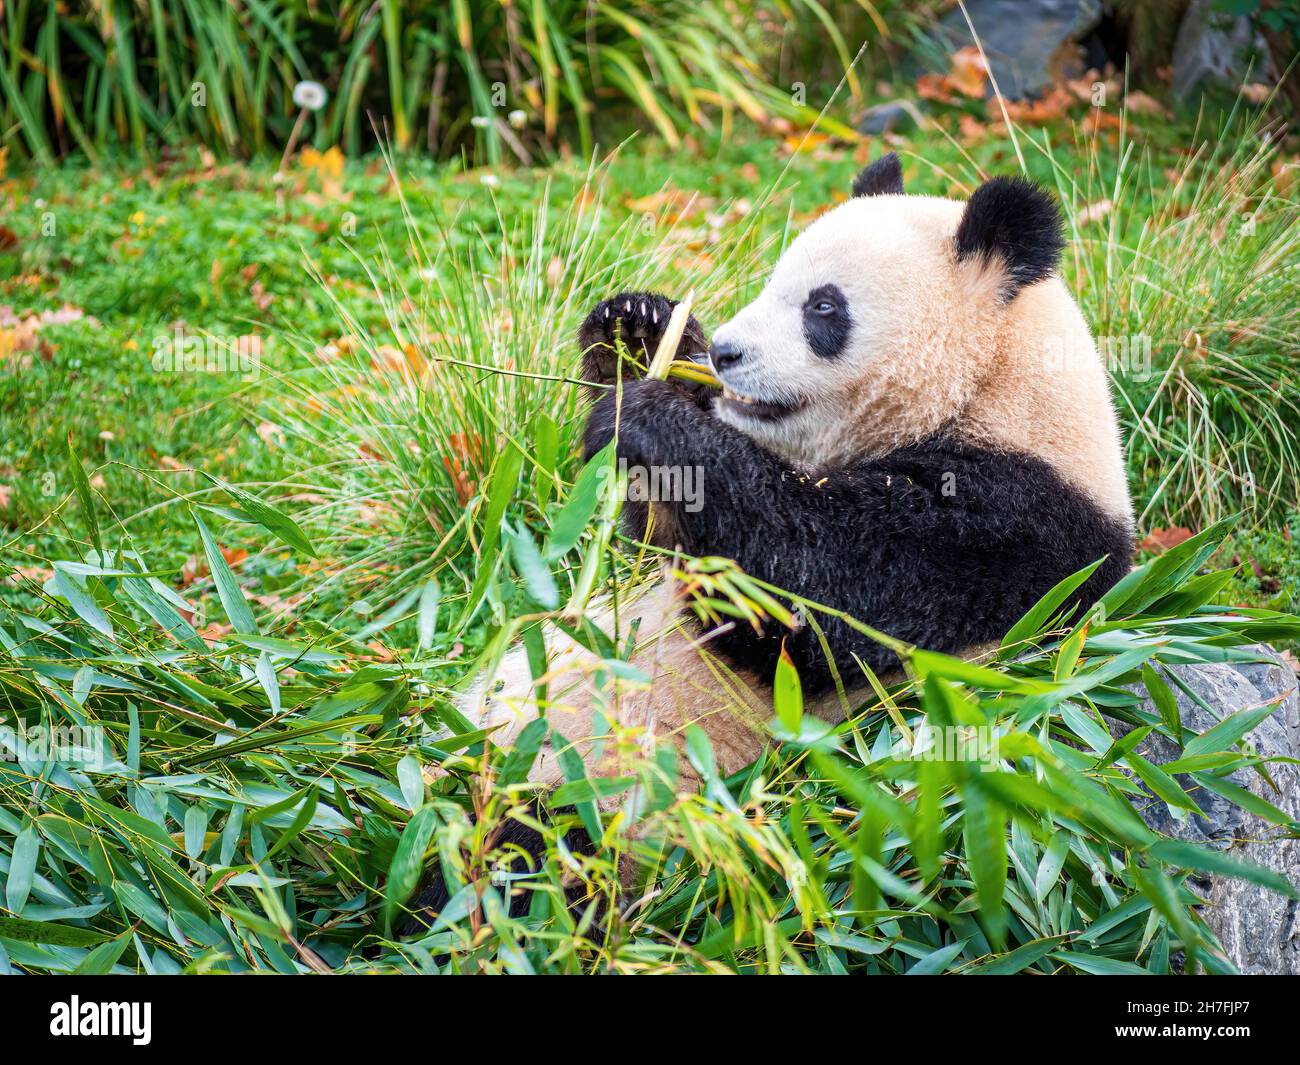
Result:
[1160,540]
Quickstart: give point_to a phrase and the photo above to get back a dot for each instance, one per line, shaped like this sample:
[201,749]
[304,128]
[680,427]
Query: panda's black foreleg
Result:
[752,508]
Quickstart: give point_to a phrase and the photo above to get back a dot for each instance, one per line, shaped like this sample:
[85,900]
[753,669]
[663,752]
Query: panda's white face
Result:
[870,298]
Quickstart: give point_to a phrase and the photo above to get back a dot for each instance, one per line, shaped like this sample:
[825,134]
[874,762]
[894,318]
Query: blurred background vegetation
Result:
[445,78]
[90,74]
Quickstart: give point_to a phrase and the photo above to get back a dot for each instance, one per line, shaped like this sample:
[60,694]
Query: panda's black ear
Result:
[1016,221]
[884,177]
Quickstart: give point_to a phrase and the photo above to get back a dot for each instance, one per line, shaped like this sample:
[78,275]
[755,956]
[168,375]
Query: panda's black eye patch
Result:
[826,321]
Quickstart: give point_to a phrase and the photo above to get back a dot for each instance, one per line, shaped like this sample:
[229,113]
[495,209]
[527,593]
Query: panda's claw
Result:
[635,321]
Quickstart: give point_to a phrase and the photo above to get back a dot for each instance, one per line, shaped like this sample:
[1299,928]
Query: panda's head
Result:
[881,318]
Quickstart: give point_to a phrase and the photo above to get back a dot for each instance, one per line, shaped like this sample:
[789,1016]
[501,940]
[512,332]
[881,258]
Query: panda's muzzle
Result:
[764,410]
[727,355]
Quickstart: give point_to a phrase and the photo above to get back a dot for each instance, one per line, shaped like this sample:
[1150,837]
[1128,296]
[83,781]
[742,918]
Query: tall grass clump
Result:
[1190,277]
[494,78]
[256,800]
[402,440]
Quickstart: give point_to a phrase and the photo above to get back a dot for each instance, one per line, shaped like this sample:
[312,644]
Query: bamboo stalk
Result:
[667,348]
[663,365]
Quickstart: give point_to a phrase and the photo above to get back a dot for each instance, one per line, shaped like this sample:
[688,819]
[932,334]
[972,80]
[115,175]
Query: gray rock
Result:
[1259,929]
[891,116]
[1020,37]
[1216,48]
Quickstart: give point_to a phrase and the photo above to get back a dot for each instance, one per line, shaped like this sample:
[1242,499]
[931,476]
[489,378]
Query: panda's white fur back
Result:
[1048,394]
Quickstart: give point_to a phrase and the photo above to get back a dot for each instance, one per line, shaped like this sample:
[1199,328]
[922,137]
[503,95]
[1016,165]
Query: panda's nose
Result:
[724,354]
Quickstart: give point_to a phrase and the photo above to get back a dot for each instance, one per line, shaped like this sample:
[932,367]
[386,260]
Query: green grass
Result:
[271,793]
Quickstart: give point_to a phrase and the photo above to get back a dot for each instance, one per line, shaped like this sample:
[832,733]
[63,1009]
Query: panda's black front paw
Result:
[638,319]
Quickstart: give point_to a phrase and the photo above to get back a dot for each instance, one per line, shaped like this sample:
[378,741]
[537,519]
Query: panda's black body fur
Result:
[937,544]
[526,848]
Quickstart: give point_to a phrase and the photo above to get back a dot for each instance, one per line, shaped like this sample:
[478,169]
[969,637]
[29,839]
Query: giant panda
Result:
[914,428]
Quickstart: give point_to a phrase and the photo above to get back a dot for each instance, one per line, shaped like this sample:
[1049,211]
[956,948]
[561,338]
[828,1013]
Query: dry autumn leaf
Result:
[967,76]
[261,297]
[1160,540]
[806,141]
[1050,106]
[1256,93]
[934,87]
[972,129]
[1285,171]
[1139,103]
[328,164]
[1094,212]
[674,204]
[554,272]
[214,631]
[1098,121]
[194,569]
[969,72]
[35,574]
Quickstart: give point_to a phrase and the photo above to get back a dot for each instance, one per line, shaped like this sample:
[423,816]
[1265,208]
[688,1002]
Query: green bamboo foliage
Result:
[499,78]
[268,801]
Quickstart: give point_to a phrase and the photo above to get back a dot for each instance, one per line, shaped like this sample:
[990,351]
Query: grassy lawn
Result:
[231,251]
[278,781]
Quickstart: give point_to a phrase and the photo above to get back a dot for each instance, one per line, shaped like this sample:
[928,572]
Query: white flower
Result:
[480,121]
[310,94]
[490,180]
[517,119]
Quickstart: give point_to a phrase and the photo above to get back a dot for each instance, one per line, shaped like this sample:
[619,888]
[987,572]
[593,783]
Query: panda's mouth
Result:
[762,409]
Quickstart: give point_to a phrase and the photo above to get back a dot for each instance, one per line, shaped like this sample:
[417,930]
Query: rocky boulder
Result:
[1259,929]
[1026,41]
[1214,47]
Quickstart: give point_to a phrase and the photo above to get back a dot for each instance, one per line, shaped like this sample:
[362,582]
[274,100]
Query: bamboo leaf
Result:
[407,866]
[787,694]
[228,590]
[22,868]
[272,520]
